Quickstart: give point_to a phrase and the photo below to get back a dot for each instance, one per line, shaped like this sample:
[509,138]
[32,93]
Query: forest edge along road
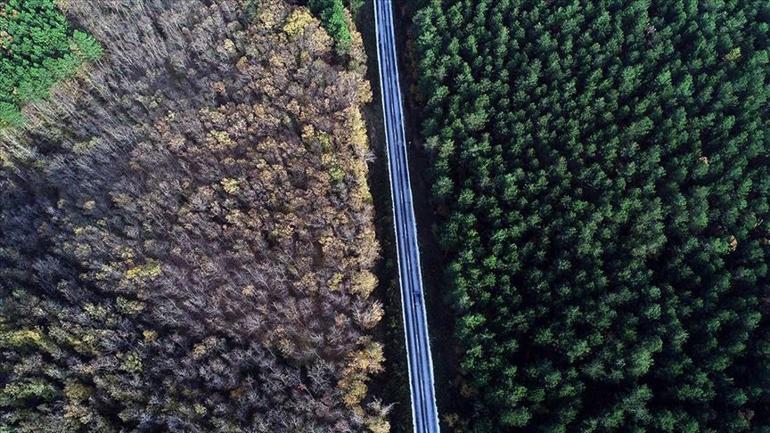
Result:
[420,364]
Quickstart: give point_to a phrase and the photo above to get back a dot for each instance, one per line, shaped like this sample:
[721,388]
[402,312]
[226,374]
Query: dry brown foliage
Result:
[199,234]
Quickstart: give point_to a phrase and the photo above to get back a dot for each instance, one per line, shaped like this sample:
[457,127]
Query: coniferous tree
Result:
[603,168]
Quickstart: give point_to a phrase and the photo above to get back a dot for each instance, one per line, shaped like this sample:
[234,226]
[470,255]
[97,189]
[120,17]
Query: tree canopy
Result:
[602,169]
[186,235]
[335,19]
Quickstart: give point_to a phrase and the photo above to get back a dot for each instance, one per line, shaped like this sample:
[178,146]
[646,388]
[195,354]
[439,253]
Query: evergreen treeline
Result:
[38,47]
[186,233]
[603,172]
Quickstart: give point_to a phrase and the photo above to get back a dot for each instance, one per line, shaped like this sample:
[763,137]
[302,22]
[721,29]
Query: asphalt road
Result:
[424,412]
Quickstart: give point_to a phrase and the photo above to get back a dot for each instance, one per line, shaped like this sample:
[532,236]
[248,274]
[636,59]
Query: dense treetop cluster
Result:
[603,168]
[186,235]
[38,47]
[335,19]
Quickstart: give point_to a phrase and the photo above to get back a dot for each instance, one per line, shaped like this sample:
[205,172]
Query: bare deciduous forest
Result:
[186,230]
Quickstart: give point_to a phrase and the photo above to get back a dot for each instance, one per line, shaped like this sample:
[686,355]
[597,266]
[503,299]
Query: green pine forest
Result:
[600,172]
[38,47]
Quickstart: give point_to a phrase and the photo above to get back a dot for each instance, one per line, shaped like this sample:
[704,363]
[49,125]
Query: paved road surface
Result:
[424,412]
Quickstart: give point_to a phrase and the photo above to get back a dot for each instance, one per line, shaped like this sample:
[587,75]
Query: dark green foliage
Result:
[38,47]
[334,20]
[604,167]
